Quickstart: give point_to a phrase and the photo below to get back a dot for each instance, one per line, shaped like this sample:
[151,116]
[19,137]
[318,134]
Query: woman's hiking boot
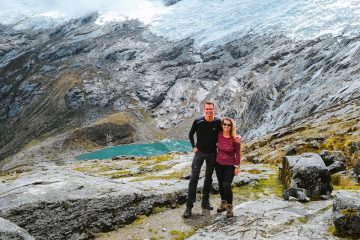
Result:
[229,210]
[222,206]
[187,212]
[205,204]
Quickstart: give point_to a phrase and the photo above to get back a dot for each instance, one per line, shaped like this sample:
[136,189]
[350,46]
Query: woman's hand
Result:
[238,139]
[236,171]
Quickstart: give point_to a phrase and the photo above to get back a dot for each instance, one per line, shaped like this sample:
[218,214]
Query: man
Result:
[206,129]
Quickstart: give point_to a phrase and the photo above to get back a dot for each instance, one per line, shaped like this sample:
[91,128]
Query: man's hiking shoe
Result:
[222,207]
[187,212]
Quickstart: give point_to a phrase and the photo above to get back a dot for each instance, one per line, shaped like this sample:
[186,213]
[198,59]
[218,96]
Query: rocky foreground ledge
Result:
[62,203]
[80,200]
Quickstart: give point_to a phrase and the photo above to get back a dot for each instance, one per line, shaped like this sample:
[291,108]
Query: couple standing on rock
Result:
[218,145]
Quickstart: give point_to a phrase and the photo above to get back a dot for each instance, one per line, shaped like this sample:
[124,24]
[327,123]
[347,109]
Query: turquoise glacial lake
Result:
[139,149]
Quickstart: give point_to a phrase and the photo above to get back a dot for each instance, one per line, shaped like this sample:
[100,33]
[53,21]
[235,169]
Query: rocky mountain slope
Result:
[58,79]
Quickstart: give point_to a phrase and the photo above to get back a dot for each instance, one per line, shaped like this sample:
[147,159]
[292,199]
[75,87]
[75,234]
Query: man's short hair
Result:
[209,103]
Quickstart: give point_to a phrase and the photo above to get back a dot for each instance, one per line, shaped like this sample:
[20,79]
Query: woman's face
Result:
[227,125]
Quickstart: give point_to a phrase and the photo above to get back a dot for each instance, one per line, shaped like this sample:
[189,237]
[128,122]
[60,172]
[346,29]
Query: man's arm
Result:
[192,132]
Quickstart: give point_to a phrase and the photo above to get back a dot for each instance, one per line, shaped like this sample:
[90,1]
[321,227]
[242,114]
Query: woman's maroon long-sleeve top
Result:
[228,153]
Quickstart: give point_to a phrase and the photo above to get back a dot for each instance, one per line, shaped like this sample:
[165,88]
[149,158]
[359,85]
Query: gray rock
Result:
[62,204]
[10,231]
[14,109]
[74,98]
[170,2]
[346,210]
[354,147]
[299,194]
[336,167]
[307,171]
[330,157]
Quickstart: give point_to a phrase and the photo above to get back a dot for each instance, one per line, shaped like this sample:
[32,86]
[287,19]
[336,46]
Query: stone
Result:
[74,98]
[337,166]
[330,157]
[306,171]
[354,147]
[299,194]
[346,212]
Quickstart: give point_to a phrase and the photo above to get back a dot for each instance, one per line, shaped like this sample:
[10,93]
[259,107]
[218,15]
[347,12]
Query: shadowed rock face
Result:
[306,171]
[357,168]
[53,80]
[331,157]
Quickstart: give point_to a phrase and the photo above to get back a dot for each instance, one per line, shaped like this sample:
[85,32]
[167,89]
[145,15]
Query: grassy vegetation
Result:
[172,175]
[334,134]
[349,212]
[332,229]
[343,182]
[145,165]
[140,219]
[178,235]
[264,187]
[117,118]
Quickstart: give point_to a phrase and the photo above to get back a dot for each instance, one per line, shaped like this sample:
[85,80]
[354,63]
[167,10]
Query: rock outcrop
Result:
[61,203]
[306,171]
[346,210]
[331,157]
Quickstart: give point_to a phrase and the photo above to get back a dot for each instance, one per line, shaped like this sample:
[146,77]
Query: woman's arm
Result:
[237,153]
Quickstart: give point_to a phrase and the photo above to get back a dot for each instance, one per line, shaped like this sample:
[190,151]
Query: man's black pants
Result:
[225,176]
[197,163]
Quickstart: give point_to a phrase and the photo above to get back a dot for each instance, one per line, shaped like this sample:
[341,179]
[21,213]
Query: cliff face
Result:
[54,80]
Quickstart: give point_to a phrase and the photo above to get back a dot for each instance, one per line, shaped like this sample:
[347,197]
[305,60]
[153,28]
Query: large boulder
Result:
[346,214]
[331,157]
[9,230]
[307,171]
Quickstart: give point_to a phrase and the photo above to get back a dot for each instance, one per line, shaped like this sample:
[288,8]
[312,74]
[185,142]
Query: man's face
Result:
[209,110]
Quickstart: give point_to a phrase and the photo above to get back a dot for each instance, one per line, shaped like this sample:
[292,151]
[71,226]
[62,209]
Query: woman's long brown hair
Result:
[232,129]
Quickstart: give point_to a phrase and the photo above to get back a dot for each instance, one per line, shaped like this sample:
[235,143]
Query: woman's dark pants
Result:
[225,176]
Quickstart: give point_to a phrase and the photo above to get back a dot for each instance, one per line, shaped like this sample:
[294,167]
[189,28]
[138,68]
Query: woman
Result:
[227,164]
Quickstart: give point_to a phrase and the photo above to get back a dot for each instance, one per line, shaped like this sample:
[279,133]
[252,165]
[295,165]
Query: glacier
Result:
[209,22]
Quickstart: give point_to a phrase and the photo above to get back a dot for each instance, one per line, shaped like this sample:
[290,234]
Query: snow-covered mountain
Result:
[208,21]
[266,63]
